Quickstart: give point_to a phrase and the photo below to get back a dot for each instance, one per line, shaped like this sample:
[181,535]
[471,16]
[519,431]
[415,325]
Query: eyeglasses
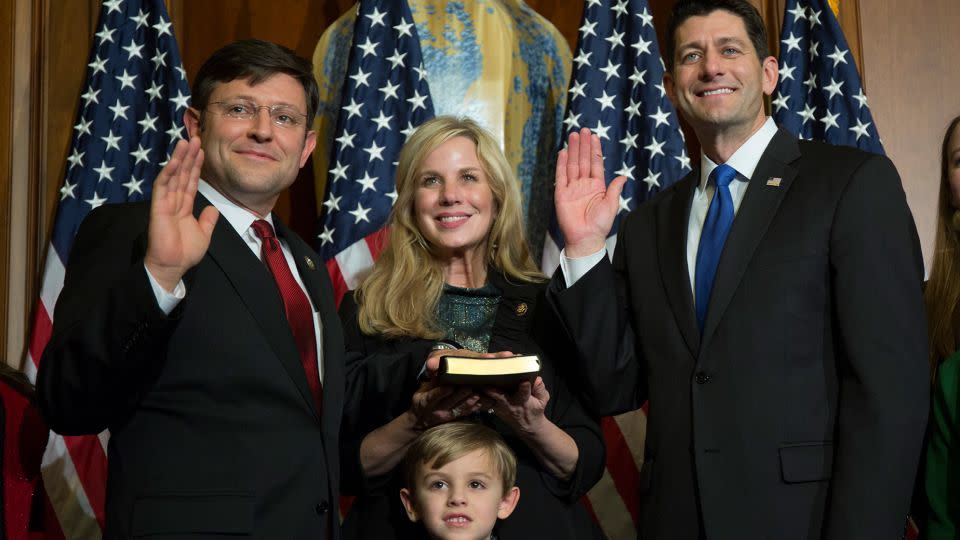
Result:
[282,115]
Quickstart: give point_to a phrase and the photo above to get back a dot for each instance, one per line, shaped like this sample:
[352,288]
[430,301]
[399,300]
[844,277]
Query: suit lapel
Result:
[672,224]
[258,291]
[759,206]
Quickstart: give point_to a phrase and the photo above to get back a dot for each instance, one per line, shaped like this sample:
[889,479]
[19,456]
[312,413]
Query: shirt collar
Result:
[746,158]
[237,216]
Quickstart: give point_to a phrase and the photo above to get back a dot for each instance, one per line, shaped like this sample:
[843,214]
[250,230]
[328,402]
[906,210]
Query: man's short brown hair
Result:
[684,9]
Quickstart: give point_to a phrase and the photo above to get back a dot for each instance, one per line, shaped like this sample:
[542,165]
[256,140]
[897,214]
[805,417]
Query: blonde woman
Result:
[942,296]
[457,273]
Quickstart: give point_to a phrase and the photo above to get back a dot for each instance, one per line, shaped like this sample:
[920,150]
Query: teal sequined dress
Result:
[466,315]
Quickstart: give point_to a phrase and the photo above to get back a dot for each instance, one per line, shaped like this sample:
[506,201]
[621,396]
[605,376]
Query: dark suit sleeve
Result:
[881,338]
[380,382]
[565,408]
[109,335]
[570,416]
[612,378]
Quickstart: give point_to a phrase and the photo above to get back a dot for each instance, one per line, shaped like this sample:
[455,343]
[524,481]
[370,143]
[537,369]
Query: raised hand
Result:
[176,240]
[586,206]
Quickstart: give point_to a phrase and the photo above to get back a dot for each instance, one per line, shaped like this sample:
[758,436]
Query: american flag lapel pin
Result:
[774,181]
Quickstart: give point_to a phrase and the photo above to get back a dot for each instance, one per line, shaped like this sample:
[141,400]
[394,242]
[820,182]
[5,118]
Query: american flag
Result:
[617,91]
[384,99]
[819,95]
[129,120]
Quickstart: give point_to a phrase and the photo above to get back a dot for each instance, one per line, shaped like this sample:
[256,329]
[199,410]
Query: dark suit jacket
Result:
[800,411]
[548,507]
[213,430]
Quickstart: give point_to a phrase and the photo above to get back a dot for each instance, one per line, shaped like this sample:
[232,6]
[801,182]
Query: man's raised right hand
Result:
[176,240]
[586,206]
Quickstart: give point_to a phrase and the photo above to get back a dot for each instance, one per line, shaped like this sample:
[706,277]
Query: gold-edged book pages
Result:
[504,372]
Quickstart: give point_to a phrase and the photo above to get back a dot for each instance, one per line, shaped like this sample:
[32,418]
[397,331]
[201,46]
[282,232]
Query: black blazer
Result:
[799,412]
[212,427]
[548,508]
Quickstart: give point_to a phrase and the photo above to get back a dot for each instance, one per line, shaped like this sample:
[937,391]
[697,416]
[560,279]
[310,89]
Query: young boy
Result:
[459,479]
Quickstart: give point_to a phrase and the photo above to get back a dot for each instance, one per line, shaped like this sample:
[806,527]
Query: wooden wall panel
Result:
[7,104]
[296,24]
[20,190]
[909,54]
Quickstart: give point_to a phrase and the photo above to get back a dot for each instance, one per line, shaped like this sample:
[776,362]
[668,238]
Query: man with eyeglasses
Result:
[202,332]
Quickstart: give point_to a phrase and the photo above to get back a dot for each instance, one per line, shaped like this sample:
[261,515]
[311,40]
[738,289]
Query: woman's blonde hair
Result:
[400,295]
[942,293]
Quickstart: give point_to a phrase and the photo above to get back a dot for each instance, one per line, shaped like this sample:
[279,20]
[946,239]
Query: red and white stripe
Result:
[348,268]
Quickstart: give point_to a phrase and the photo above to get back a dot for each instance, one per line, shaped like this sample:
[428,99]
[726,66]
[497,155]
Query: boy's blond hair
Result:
[442,444]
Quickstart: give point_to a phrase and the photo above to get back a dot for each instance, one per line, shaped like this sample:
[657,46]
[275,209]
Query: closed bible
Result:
[506,372]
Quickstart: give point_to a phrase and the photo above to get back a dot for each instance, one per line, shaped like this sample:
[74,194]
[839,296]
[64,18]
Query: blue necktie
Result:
[714,234]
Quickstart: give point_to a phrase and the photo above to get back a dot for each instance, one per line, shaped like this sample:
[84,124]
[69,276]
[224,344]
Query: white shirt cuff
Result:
[166,300]
[576,268]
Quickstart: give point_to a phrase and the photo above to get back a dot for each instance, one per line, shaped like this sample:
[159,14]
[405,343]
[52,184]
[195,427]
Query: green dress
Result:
[943,454]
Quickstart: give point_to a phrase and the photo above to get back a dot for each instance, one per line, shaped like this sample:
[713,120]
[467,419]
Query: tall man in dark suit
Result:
[768,306]
[198,328]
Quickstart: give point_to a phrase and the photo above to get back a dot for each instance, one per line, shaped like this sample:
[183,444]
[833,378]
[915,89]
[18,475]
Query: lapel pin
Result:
[522,309]
[309,262]
[774,181]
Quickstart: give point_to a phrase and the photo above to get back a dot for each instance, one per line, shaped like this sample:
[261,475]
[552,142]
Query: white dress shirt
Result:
[241,220]
[744,161]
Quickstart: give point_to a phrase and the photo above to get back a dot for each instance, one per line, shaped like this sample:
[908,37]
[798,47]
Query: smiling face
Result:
[462,500]
[717,80]
[454,205]
[252,161]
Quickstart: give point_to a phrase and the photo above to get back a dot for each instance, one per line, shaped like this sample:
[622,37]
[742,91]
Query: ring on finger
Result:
[455,412]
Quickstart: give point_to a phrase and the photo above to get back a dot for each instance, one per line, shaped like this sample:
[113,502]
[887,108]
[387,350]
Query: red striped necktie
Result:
[297,306]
